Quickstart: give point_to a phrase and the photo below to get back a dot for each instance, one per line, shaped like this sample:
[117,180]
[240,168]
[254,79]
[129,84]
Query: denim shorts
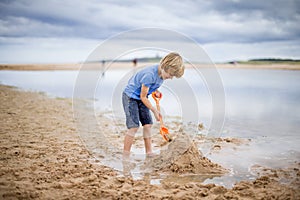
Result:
[135,111]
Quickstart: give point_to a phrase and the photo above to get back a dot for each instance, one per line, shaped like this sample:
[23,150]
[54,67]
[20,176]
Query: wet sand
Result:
[122,65]
[42,157]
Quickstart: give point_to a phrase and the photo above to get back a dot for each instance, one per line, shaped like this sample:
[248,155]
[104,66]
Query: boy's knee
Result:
[147,131]
[131,132]
[146,135]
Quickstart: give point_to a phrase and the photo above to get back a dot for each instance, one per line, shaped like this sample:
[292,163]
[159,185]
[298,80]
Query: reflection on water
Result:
[55,83]
[263,105]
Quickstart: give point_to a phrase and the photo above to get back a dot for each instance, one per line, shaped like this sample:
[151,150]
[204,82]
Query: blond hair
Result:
[173,64]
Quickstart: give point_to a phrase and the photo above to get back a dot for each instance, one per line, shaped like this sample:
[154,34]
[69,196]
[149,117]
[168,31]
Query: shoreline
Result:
[42,157]
[128,65]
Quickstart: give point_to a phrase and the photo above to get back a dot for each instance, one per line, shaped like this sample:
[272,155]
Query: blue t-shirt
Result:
[147,76]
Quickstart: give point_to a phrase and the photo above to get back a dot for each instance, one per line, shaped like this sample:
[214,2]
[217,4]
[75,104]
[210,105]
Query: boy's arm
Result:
[145,100]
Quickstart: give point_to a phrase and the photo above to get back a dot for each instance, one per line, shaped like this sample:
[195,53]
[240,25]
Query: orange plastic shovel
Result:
[163,130]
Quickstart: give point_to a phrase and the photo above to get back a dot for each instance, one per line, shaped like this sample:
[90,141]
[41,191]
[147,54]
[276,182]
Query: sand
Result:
[42,157]
[122,65]
[183,157]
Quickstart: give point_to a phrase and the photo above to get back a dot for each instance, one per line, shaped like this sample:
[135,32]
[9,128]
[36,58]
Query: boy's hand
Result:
[158,94]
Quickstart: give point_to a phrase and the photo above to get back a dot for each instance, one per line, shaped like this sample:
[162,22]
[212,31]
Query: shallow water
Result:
[261,105]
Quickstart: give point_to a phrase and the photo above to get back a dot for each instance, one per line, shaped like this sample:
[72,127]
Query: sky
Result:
[55,31]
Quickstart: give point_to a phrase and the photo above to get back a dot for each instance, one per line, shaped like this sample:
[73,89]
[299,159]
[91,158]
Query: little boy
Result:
[135,98]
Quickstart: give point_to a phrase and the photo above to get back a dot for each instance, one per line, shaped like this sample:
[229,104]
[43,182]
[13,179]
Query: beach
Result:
[43,157]
[120,65]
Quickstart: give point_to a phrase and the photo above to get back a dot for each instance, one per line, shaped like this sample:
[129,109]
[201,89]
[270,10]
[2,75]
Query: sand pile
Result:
[183,157]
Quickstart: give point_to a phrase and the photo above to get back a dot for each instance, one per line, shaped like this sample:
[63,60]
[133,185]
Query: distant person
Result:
[134,61]
[135,101]
[103,67]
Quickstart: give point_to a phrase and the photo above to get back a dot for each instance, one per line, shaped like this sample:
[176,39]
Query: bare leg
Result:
[147,138]
[148,145]
[128,140]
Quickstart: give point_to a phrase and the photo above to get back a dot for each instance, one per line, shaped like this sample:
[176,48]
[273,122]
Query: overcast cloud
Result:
[67,31]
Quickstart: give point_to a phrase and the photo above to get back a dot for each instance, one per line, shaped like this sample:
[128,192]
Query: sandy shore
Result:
[42,157]
[122,65]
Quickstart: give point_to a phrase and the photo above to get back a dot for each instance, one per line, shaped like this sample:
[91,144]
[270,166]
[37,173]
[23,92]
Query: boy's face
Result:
[165,75]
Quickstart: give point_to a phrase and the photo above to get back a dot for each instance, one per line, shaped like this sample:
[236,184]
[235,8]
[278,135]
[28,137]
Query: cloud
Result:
[226,51]
[207,22]
[261,21]
[45,50]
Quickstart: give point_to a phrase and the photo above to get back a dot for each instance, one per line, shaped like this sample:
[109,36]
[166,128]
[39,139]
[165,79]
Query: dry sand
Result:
[42,157]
